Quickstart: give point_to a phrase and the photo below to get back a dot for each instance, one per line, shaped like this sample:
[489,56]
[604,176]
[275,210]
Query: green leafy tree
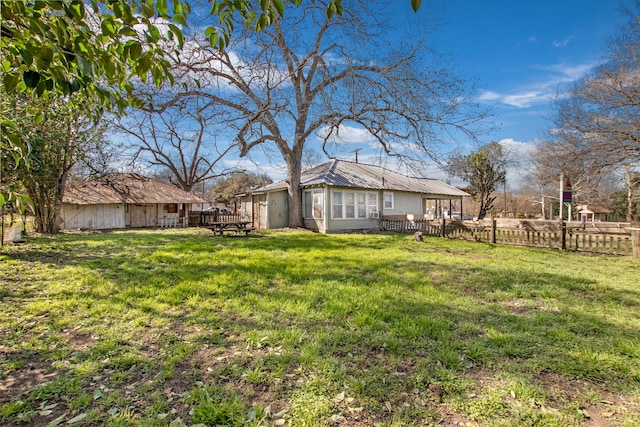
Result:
[620,204]
[484,170]
[101,48]
[68,138]
[225,189]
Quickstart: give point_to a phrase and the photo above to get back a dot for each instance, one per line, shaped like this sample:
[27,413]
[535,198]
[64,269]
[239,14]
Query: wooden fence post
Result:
[443,231]
[635,242]
[563,235]
[494,226]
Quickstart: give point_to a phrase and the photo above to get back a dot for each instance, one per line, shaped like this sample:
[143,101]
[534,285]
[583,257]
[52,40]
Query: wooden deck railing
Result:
[205,218]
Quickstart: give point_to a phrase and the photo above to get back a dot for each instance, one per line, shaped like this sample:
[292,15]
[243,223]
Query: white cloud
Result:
[563,42]
[527,99]
[489,95]
[523,99]
[276,171]
[544,90]
[346,135]
[519,149]
[563,72]
[520,153]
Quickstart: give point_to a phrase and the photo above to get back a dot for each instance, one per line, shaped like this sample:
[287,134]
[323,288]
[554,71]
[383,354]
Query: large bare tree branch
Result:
[308,76]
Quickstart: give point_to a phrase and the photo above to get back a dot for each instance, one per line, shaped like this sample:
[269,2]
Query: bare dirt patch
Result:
[32,373]
[601,408]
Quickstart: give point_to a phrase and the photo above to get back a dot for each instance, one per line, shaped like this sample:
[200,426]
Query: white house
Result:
[340,196]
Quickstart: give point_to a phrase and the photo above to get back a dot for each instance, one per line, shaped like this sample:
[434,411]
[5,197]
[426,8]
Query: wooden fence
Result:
[612,239]
[199,219]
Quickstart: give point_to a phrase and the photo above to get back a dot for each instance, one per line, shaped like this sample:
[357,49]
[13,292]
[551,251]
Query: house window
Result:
[313,203]
[349,204]
[353,204]
[372,204]
[362,204]
[172,208]
[388,200]
[336,204]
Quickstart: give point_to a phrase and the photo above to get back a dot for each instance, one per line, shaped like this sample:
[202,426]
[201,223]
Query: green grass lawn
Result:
[176,327]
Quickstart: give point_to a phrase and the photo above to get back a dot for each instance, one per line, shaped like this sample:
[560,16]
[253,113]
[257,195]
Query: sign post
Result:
[567,197]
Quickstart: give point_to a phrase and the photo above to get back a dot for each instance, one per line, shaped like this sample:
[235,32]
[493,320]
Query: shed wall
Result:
[96,217]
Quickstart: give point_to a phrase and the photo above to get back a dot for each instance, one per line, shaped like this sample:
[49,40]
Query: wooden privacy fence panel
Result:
[600,243]
[549,236]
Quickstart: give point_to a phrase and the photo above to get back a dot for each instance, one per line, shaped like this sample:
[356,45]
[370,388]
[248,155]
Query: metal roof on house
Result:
[129,188]
[342,173]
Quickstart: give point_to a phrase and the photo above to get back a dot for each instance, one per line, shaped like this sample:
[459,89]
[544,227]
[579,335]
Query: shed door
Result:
[142,215]
[260,212]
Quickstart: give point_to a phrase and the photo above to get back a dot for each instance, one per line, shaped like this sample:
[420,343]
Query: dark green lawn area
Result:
[176,327]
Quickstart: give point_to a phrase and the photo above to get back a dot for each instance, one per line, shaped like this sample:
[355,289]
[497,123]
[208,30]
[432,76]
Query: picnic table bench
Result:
[234,227]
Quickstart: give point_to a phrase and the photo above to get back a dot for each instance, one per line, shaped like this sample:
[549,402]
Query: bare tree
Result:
[598,120]
[180,142]
[311,158]
[308,76]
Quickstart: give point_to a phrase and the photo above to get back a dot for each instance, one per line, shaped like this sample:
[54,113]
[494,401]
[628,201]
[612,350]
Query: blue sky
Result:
[522,53]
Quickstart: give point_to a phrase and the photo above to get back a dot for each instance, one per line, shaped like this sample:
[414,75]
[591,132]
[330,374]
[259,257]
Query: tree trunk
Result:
[632,215]
[294,166]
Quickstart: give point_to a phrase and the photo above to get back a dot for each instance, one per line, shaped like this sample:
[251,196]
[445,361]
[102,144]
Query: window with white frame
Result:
[388,200]
[313,203]
[353,204]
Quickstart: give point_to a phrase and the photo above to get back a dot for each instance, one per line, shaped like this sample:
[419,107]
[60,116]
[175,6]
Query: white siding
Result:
[92,217]
[314,224]
[405,203]
[351,224]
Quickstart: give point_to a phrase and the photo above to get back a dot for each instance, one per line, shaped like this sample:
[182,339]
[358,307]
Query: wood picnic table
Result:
[235,227]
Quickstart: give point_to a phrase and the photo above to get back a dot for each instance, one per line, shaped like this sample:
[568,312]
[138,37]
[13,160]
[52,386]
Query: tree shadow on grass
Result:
[367,318]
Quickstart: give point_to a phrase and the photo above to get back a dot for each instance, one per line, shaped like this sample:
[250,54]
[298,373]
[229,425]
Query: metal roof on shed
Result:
[128,188]
[341,173]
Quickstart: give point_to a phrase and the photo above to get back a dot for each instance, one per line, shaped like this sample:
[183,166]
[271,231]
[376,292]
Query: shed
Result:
[125,200]
[594,213]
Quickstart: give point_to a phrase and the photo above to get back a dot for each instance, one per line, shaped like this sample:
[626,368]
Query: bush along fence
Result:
[602,238]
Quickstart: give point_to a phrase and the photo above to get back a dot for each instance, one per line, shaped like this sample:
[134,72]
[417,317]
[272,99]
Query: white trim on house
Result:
[354,204]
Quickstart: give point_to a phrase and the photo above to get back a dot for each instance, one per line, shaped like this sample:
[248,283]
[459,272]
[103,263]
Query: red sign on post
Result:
[566,191]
